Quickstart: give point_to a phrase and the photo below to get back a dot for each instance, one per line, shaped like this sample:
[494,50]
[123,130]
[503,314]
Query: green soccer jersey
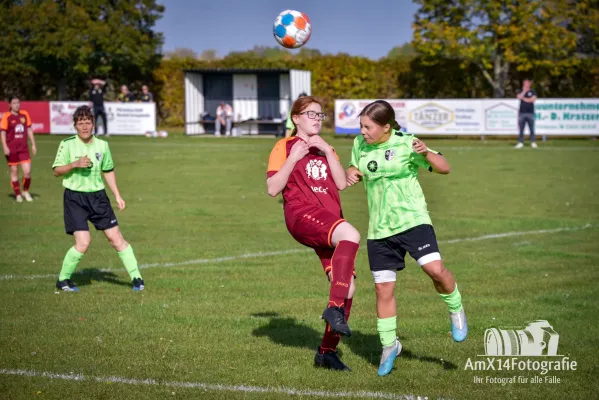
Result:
[84,179]
[289,123]
[395,199]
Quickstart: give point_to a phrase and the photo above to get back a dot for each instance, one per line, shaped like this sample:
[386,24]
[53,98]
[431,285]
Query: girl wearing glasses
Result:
[388,161]
[307,171]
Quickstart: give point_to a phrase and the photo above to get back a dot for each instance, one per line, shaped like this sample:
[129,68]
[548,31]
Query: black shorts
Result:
[389,253]
[80,207]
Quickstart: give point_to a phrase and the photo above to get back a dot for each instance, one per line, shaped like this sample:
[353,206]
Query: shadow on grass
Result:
[290,332]
[87,275]
[34,195]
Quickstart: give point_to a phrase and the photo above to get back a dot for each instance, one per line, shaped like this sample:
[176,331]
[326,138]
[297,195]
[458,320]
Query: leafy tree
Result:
[495,35]
[209,55]
[65,42]
[181,52]
[405,50]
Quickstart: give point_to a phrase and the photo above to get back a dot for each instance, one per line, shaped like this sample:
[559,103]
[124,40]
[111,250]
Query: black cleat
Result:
[66,286]
[138,285]
[329,360]
[335,316]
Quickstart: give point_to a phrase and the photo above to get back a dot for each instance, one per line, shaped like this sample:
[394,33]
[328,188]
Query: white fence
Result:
[563,117]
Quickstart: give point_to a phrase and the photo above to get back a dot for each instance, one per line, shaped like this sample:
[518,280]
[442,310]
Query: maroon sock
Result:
[342,271]
[330,340]
[16,188]
[26,184]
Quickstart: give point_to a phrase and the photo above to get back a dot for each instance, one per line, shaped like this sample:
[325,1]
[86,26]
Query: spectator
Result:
[526,115]
[224,116]
[125,96]
[96,99]
[146,95]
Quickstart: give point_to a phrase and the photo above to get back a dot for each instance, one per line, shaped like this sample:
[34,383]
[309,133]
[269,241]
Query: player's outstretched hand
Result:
[419,147]
[34,149]
[353,176]
[299,150]
[319,143]
[83,162]
[120,203]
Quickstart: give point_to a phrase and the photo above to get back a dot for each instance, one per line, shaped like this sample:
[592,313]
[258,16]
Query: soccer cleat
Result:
[335,316]
[19,198]
[519,145]
[66,286]
[27,196]
[388,357]
[534,145]
[329,360]
[138,285]
[459,326]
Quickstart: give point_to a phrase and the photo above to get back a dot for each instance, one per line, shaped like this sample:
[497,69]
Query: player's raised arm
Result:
[83,162]
[276,183]
[436,160]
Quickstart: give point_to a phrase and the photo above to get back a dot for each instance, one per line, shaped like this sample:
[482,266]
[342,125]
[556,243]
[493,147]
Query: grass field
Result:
[232,303]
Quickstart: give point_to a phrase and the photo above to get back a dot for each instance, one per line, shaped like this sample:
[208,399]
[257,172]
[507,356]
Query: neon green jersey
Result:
[84,179]
[289,123]
[395,199]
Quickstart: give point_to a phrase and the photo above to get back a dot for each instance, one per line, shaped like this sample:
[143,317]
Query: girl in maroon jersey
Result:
[307,171]
[15,128]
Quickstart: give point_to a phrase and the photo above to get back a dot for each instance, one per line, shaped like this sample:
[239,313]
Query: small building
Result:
[263,95]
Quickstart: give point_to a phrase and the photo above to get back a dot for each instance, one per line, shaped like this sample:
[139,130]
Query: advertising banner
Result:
[563,117]
[123,118]
[39,112]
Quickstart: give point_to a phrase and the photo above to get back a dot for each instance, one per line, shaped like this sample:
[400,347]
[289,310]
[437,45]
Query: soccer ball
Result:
[292,29]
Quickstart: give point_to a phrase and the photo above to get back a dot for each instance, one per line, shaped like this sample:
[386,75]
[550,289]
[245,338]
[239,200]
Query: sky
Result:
[368,28]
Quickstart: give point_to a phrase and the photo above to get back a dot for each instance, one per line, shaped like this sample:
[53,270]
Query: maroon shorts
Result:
[314,228]
[18,156]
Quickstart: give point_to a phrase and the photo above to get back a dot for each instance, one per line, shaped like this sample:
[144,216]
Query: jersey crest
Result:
[316,170]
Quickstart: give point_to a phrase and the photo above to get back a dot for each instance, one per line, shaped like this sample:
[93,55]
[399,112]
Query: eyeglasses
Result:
[313,114]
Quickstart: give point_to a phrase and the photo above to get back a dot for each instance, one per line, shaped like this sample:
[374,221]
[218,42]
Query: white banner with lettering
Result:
[123,118]
[565,117]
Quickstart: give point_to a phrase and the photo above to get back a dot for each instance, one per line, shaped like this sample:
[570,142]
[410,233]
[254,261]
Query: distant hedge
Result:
[344,76]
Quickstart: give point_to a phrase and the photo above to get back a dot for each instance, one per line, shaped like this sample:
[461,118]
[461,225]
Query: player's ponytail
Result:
[381,113]
[300,105]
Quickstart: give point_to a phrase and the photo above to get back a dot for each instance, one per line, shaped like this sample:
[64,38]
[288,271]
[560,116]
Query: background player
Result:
[82,160]
[96,97]
[308,173]
[289,126]
[15,127]
[399,221]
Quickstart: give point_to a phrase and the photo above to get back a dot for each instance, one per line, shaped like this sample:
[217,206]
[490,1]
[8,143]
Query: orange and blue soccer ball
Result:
[292,29]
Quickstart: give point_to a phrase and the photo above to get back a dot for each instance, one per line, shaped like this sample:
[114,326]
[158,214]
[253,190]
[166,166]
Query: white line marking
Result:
[510,234]
[216,387]
[283,252]
[227,258]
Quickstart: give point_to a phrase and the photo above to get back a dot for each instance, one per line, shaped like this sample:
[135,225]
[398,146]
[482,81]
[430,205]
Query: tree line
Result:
[460,49]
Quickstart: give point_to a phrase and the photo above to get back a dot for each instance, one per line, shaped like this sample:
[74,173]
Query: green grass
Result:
[255,321]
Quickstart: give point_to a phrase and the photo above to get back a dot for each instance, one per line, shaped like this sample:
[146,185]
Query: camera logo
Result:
[537,339]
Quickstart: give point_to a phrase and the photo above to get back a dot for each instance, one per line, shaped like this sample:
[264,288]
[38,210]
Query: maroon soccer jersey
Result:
[310,183]
[15,127]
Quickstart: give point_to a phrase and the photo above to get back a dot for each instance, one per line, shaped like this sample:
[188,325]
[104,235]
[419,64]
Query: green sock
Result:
[387,328]
[130,262]
[69,264]
[453,300]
